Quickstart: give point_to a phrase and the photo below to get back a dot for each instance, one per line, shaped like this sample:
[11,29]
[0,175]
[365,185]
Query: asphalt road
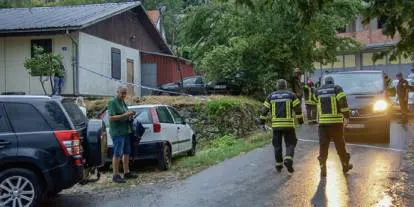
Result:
[251,180]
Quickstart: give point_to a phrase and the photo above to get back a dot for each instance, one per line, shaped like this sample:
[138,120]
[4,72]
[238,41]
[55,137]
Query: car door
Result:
[8,140]
[168,128]
[184,131]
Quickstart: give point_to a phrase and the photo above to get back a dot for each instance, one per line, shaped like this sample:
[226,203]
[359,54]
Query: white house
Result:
[100,45]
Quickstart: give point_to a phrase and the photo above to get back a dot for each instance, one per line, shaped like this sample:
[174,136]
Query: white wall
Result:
[2,63]
[13,53]
[95,55]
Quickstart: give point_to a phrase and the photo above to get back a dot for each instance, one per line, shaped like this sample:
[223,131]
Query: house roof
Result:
[58,18]
[76,17]
[154,15]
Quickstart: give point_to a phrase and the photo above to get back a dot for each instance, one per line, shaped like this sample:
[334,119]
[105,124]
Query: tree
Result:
[399,20]
[44,64]
[265,41]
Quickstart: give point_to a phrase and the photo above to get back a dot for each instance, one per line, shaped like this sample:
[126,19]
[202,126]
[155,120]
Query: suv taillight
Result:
[69,142]
[155,121]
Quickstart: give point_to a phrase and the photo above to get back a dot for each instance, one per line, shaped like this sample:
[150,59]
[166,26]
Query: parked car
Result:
[196,85]
[193,85]
[166,134]
[46,145]
[369,108]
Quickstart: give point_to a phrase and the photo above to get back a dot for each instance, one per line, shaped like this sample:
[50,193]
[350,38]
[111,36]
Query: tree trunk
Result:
[43,85]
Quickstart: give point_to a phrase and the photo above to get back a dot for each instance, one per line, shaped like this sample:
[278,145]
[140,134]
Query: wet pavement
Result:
[251,180]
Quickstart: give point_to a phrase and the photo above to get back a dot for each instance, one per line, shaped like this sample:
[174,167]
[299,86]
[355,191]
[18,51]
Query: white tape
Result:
[359,145]
[133,84]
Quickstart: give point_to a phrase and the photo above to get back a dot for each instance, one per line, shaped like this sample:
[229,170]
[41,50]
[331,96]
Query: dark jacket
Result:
[332,104]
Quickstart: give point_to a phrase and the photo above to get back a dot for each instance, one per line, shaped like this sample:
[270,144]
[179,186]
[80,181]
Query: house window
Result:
[339,63]
[116,63]
[349,61]
[46,44]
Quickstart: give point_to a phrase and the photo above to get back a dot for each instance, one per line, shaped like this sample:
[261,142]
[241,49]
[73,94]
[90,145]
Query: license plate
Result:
[355,126]
[220,87]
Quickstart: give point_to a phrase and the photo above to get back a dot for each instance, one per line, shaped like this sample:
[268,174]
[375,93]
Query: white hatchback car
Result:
[166,134]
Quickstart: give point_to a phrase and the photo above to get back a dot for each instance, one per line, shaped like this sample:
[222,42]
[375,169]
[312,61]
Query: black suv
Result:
[46,145]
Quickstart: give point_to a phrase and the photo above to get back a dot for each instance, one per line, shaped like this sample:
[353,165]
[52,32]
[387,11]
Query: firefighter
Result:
[284,107]
[388,86]
[296,84]
[403,88]
[333,114]
[310,101]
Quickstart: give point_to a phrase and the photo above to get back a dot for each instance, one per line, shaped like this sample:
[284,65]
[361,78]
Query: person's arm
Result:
[265,111]
[114,117]
[297,109]
[342,102]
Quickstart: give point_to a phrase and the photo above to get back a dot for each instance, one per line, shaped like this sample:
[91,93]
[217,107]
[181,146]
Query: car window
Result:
[189,81]
[75,113]
[177,117]
[164,116]
[143,115]
[25,118]
[106,118]
[199,80]
[54,115]
[4,126]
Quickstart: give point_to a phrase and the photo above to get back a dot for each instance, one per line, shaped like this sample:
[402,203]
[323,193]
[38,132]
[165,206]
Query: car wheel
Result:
[19,187]
[165,161]
[192,152]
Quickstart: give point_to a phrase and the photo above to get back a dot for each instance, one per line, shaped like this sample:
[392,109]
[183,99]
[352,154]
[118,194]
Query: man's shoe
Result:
[347,168]
[118,179]
[289,166]
[279,168]
[130,176]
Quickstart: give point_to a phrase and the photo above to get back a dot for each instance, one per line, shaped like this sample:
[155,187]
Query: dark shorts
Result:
[121,145]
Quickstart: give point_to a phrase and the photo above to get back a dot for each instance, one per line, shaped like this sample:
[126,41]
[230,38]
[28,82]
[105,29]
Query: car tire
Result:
[165,161]
[29,187]
[193,149]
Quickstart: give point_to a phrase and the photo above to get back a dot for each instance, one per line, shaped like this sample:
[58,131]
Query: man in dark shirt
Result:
[403,89]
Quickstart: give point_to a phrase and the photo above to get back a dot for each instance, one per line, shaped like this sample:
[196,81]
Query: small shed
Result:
[160,68]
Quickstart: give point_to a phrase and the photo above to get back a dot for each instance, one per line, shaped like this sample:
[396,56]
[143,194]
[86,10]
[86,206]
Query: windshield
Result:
[360,83]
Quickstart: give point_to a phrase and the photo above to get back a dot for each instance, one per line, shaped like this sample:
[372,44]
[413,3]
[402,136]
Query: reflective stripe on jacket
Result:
[284,107]
[332,105]
[309,93]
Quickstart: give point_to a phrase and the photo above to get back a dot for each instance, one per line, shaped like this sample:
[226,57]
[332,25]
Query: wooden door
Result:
[130,77]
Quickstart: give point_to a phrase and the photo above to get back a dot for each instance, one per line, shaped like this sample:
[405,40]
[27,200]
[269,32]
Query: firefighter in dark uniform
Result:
[284,107]
[296,84]
[403,88]
[310,101]
[332,111]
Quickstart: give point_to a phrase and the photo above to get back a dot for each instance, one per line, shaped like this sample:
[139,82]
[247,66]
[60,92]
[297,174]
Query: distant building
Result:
[372,40]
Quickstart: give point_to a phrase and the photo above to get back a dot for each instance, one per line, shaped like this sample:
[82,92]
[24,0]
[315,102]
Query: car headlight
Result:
[380,105]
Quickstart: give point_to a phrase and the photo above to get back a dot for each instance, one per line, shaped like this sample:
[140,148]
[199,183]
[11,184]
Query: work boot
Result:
[130,176]
[279,168]
[346,166]
[289,165]
[323,170]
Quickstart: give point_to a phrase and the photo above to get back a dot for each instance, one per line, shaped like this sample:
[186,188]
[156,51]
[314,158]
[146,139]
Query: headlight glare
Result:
[380,105]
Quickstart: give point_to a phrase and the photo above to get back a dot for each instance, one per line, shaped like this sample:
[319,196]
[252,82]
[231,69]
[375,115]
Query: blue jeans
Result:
[121,145]
[57,85]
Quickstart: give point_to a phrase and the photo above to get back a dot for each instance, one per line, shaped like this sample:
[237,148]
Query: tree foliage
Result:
[265,40]
[44,64]
[399,20]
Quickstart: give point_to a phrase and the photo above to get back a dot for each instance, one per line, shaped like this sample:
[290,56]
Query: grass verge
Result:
[217,150]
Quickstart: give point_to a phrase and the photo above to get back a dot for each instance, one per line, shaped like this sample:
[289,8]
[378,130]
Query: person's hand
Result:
[263,128]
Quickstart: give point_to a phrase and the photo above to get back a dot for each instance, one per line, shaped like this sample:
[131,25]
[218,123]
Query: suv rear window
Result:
[75,113]
[143,115]
[25,118]
[54,115]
